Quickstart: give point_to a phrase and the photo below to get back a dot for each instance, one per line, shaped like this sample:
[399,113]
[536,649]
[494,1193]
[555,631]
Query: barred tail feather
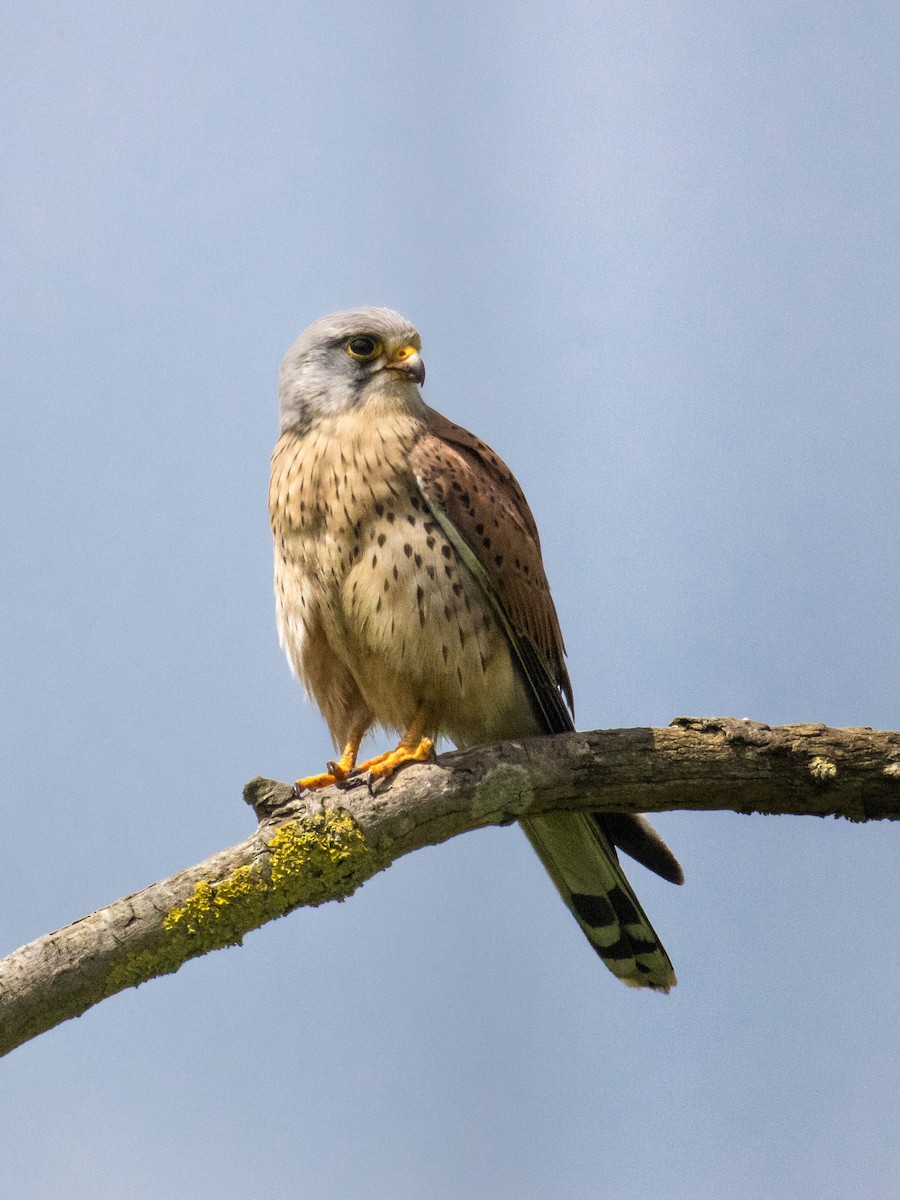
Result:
[582,862]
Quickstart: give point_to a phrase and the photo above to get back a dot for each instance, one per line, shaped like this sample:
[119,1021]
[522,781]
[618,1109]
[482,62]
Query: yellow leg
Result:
[337,771]
[347,762]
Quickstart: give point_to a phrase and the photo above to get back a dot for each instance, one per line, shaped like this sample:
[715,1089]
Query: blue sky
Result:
[652,250]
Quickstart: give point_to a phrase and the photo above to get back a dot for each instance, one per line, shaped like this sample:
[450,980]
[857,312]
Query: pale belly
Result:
[406,627]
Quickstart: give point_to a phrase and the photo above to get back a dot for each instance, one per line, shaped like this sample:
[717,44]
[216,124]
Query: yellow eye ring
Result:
[364,346]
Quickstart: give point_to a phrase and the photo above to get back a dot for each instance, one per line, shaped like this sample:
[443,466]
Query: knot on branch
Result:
[733,729]
[271,799]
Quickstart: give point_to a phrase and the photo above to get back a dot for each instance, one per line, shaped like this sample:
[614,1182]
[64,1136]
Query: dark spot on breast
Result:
[448,570]
[411,519]
[446,653]
[417,559]
[483,664]
[457,589]
[386,584]
[429,542]
[407,549]
[391,517]
[429,571]
[379,508]
[374,560]
[382,538]
[447,551]
[479,529]
[486,542]
[498,559]
[395,573]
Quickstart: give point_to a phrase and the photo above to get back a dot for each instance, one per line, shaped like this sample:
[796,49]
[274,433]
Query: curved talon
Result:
[350,781]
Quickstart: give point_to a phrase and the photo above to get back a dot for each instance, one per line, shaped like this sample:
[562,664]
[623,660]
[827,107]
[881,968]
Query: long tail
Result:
[581,860]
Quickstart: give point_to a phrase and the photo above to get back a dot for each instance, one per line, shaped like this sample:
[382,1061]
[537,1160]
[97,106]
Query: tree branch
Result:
[305,852]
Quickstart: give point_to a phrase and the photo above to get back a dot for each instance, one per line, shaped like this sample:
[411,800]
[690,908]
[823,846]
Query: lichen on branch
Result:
[304,853]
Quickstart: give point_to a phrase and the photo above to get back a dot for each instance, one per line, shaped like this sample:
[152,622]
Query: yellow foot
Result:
[342,768]
[338,772]
[311,783]
[384,765]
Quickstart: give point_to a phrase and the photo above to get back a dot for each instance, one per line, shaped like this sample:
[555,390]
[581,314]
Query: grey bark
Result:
[694,764]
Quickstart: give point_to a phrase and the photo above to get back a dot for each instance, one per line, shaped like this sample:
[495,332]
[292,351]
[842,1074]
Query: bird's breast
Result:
[363,569]
[329,489]
[329,484]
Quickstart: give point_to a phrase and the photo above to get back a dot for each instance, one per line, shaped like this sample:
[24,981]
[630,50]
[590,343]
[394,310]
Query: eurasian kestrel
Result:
[411,594]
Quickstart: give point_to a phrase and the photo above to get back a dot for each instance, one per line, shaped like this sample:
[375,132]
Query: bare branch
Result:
[307,852]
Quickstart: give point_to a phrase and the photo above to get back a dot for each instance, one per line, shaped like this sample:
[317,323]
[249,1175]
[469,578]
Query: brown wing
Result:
[479,504]
[478,501]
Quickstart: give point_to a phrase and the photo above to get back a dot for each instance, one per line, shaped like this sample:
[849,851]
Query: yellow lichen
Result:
[308,861]
[822,769]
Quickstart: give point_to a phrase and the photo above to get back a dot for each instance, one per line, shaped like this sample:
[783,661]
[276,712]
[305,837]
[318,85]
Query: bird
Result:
[411,595]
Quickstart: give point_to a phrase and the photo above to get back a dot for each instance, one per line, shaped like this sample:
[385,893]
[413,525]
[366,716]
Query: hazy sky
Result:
[653,252]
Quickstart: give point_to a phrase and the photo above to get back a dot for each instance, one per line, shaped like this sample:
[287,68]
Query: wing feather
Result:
[475,498]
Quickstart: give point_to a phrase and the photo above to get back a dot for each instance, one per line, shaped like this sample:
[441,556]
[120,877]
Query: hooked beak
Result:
[408,361]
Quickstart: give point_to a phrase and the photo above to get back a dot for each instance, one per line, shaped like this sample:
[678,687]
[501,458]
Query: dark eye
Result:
[363,346]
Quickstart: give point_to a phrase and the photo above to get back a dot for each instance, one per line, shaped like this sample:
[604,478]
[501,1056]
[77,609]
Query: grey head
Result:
[345,359]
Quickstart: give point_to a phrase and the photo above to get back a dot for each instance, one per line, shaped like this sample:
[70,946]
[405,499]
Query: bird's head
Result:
[348,359]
